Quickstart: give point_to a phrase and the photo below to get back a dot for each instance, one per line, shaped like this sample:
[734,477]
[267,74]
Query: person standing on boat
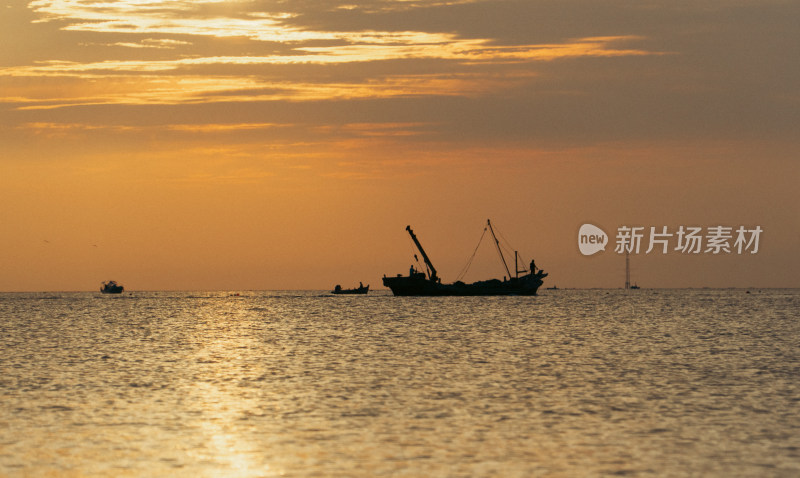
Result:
[533,266]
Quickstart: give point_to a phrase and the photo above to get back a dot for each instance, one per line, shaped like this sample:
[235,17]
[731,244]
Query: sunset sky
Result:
[286,144]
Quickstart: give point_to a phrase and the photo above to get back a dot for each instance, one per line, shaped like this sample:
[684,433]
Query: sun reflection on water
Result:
[221,403]
[225,445]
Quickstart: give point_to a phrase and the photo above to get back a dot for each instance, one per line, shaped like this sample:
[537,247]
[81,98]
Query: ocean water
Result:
[568,383]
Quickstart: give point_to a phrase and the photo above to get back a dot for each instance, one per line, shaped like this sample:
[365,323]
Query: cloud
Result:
[493,69]
[152,43]
[158,52]
[294,41]
[241,78]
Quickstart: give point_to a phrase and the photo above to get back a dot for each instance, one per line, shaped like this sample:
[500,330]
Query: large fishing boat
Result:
[428,283]
[111,287]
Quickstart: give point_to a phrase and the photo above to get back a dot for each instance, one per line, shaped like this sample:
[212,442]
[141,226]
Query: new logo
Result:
[591,239]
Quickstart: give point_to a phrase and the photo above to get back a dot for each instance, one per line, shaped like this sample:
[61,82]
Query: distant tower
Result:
[627,270]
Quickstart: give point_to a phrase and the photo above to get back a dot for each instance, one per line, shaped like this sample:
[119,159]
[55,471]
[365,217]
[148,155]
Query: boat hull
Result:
[419,285]
[360,290]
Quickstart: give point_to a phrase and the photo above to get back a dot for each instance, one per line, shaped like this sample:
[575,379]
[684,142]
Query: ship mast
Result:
[432,270]
[497,243]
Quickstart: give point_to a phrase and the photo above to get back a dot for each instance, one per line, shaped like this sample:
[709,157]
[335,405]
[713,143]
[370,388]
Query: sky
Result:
[286,144]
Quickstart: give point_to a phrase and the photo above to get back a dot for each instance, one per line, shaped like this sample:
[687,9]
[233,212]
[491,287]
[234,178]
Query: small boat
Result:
[111,287]
[552,288]
[362,289]
[418,283]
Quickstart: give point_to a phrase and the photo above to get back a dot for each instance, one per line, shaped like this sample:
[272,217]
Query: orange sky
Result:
[286,145]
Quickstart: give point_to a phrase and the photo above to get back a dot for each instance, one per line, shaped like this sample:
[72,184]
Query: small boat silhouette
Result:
[111,287]
[361,289]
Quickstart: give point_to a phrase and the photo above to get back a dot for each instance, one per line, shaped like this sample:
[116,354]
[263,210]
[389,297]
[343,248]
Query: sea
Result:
[569,383]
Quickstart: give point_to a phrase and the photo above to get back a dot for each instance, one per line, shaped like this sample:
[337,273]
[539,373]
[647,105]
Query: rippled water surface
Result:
[569,383]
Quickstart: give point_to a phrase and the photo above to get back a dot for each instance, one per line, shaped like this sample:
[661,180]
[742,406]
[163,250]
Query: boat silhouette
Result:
[111,287]
[428,283]
[361,289]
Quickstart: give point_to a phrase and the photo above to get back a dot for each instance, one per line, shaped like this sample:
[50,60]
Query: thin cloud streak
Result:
[446,48]
[196,90]
[177,81]
[151,43]
[186,18]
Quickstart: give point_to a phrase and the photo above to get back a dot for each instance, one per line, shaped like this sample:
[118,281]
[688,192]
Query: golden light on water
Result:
[221,394]
[219,427]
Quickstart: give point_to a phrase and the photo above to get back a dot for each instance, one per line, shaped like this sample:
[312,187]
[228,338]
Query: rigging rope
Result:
[506,245]
[469,262]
